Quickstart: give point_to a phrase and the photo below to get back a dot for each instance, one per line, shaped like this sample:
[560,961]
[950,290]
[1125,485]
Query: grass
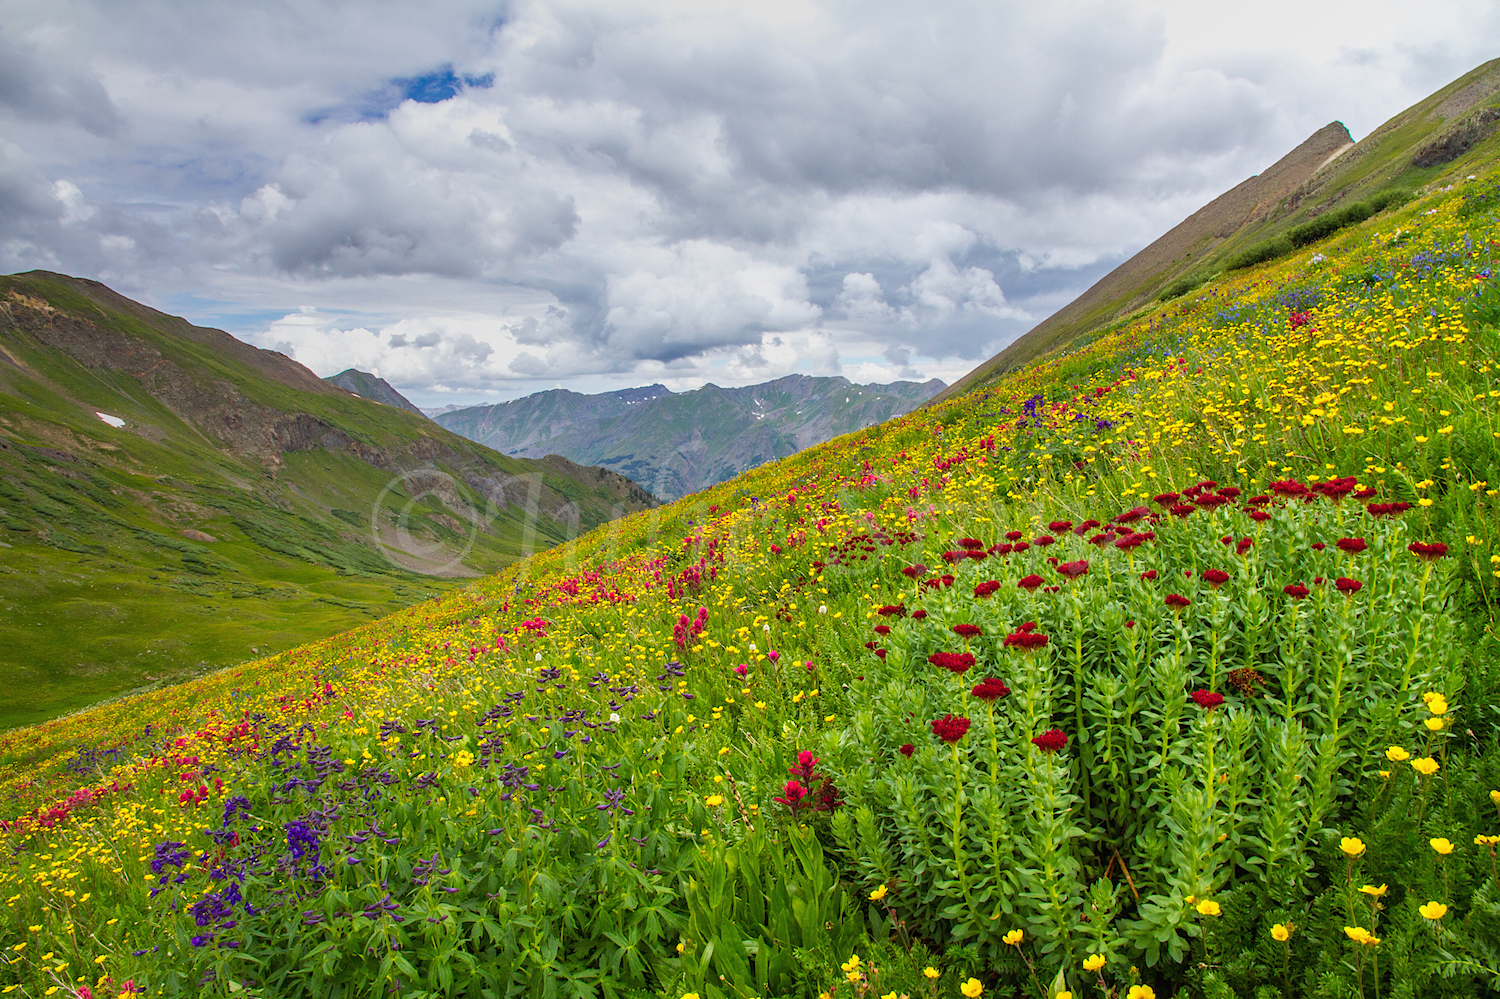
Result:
[1164,666]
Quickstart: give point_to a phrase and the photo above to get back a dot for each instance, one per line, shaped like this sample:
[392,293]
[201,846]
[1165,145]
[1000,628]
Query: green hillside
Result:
[231,513]
[1165,666]
[1324,185]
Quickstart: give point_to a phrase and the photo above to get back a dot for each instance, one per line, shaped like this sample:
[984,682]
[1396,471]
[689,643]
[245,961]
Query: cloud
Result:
[606,192]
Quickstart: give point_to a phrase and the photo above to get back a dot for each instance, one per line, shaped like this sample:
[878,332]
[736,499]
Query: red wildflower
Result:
[1427,552]
[1058,526]
[882,629]
[984,589]
[907,749]
[1025,640]
[892,610]
[1216,577]
[917,615]
[1149,574]
[1085,527]
[1232,492]
[1318,546]
[1259,516]
[1050,741]
[1074,569]
[1351,546]
[1364,494]
[950,728]
[1013,535]
[990,690]
[913,571]
[1130,541]
[966,631]
[1346,585]
[806,768]
[1166,499]
[1244,545]
[1132,515]
[1289,488]
[1212,500]
[1045,540]
[793,796]
[970,543]
[1031,582]
[953,662]
[955,556]
[1296,591]
[1387,509]
[1181,509]
[1177,600]
[1207,699]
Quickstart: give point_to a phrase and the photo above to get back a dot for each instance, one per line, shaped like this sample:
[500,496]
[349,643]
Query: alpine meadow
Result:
[1162,665]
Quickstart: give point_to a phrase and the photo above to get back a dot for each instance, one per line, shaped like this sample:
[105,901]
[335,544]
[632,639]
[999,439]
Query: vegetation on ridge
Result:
[1166,666]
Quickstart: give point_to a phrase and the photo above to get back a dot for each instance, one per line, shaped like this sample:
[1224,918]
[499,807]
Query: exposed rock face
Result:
[677,443]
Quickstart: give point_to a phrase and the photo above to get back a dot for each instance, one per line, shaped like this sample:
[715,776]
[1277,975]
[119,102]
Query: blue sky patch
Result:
[429,88]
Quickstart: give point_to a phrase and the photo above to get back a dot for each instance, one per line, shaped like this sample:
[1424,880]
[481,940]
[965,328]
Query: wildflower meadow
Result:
[1164,667]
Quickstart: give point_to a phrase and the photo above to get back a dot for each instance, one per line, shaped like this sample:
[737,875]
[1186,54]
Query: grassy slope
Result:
[1379,163]
[1395,381]
[87,509]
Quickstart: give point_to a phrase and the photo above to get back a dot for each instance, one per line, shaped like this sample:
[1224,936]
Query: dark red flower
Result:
[1317,580]
[1050,741]
[1026,640]
[978,554]
[880,653]
[1387,509]
[1226,540]
[1207,699]
[1337,489]
[953,662]
[1149,574]
[1364,494]
[1351,546]
[1085,527]
[1013,535]
[970,543]
[1020,546]
[1051,589]
[1243,545]
[984,589]
[1181,509]
[917,615]
[950,728]
[1130,623]
[955,556]
[1130,541]
[1427,552]
[1296,591]
[913,571]
[828,797]
[1318,546]
[966,631]
[1289,488]
[1216,577]
[1177,600]
[1212,500]
[907,749]
[1259,516]
[1232,492]
[1058,526]
[1166,499]
[1132,515]
[892,610]
[1045,540]
[882,629]
[1074,569]
[1031,582]
[990,690]
[1347,585]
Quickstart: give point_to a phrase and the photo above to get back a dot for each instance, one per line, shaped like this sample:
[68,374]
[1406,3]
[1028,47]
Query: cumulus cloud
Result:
[608,193]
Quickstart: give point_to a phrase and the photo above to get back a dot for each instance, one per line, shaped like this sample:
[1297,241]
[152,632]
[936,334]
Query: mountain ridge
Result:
[674,443]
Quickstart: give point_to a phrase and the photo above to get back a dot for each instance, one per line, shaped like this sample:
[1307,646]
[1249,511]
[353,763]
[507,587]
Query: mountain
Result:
[368,386]
[677,443]
[171,496]
[1325,184]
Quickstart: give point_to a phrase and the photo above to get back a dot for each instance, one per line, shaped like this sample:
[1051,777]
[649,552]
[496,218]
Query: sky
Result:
[479,200]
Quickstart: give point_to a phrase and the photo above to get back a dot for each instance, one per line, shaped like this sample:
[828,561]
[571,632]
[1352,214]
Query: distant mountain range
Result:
[171,496]
[677,443]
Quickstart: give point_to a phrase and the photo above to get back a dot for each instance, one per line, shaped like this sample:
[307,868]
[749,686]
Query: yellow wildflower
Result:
[972,988]
[1426,766]
[1352,846]
[1396,754]
[1281,932]
[1093,962]
[1434,724]
[1141,992]
[1372,890]
[931,972]
[1014,938]
[877,894]
[1441,845]
[714,800]
[1433,910]
[1208,907]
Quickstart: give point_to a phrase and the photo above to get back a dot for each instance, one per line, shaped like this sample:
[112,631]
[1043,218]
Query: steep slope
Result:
[368,386]
[1326,183]
[674,443]
[171,496]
